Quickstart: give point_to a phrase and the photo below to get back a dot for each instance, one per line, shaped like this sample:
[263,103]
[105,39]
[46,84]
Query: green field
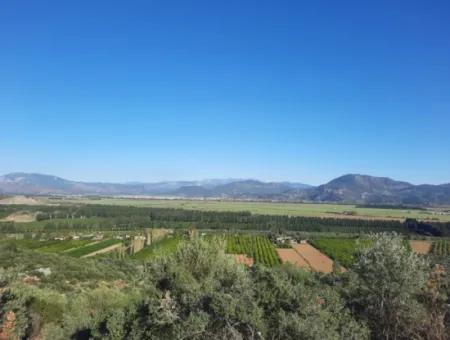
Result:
[29,243]
[88,249]
[62,246]
[257,247]
[161,247]
[340,249]
[269,208]
[441,248]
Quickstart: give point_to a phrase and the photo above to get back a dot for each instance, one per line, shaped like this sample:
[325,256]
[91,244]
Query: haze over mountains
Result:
[352,188]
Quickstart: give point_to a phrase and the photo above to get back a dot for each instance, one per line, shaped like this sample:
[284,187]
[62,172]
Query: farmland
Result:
[92,248]
[318,261]
[340,249]
[266,208]
[441,248]
[289,255]
[198,252]
[194,264]
[421,247]
[164,246]
[63,246]
[257,247]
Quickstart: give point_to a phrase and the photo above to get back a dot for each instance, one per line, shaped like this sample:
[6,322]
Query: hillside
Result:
[355,188]
[351,188]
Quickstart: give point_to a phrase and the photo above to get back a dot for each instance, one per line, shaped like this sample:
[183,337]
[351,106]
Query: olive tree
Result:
[385,285]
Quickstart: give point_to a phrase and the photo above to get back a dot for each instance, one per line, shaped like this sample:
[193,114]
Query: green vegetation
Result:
[441,248]
[198,292]
[387,291]
[30,243]
[62,246]
[164,246]
[88,249]
[92,217]
[267,208]
[257,247]
[342,250]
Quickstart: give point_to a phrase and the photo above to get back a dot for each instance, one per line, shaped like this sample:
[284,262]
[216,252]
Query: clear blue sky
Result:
[274,90]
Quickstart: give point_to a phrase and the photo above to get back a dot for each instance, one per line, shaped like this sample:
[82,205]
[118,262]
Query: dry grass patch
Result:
[288,255]
[20,217]
[315,259]
[421,247]
[243,259]
[19,200]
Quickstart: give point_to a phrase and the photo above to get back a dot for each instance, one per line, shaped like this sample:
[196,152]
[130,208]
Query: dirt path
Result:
[289,255]
[318,261]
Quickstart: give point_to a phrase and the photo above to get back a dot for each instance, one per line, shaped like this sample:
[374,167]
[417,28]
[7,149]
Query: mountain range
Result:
[351,188]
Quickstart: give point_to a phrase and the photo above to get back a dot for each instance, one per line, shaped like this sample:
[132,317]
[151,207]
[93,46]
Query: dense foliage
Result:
[387,288]
[199,292]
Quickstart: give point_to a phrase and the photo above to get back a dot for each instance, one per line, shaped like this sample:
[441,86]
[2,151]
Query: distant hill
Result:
[39,184]
[359,188]
[243,189]
[351,188]
[355,188]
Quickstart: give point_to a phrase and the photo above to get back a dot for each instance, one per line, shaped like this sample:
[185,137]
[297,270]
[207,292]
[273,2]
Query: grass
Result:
[31,244]
[271,208]
[88,249]
[341,250]
[161,247]
[62,246]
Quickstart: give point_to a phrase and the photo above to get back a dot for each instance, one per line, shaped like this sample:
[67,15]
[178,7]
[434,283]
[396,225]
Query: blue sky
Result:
[275,90]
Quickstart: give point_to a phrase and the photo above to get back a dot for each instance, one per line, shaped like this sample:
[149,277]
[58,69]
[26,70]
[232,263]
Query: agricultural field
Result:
[259,248]
[441,248]
[266,208]
[421,247]
[29,243]
[340,249]
[318,261]
[63,246]
[89,249]
[19,217]
[163,246]
[289,255]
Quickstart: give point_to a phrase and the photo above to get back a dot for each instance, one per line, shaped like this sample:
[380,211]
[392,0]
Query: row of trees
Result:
[118,217]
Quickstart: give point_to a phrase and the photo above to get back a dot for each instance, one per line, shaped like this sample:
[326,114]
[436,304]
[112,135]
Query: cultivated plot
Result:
[289,255]
[318,261]
[421,247]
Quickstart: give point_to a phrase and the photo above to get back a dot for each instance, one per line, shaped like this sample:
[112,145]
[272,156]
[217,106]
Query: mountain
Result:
[364,189]
[242,189]
[38,184]
[358,188]
[351,188]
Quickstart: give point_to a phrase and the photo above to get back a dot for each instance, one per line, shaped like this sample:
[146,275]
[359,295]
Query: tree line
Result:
[102,217]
